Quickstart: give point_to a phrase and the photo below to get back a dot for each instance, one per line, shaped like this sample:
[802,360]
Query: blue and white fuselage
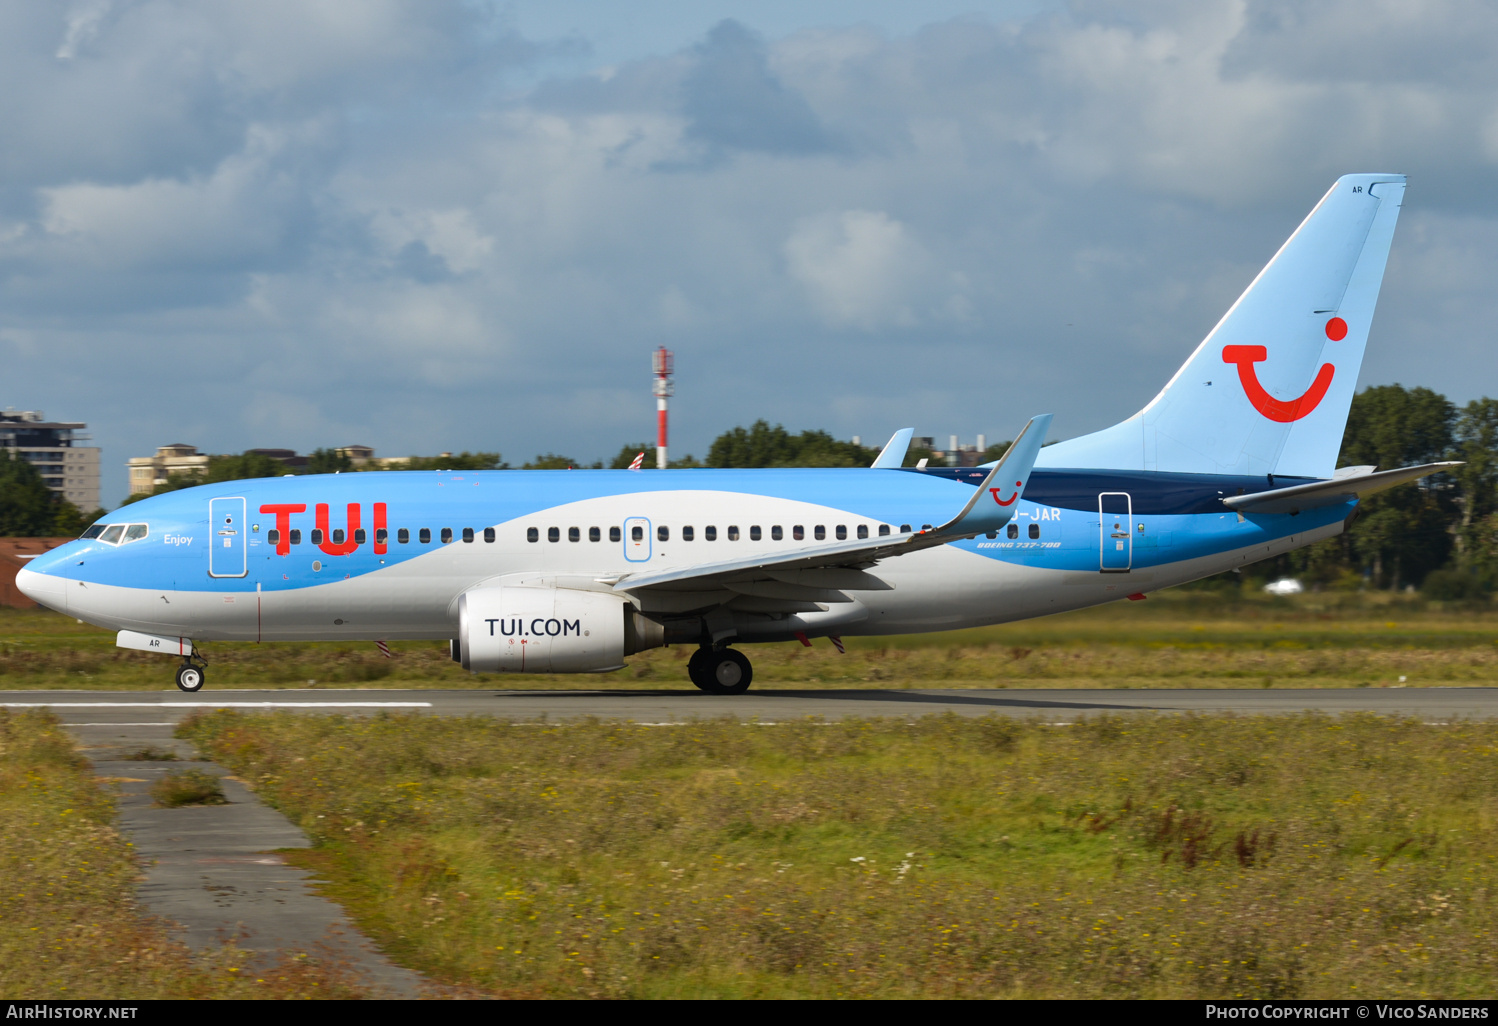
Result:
[572,571]
[1062,554]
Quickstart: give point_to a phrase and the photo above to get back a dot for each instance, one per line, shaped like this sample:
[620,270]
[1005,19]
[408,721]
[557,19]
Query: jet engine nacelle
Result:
[549,630]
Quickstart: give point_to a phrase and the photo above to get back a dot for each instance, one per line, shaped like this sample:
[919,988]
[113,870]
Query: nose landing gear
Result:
[190,675]
[723,671]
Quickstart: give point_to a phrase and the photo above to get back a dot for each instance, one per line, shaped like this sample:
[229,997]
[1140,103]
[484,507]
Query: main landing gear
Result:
[722,671]
[190,675]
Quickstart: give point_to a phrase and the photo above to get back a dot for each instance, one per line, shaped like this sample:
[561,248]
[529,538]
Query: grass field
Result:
[1176,639]
[68,924]
[946,857]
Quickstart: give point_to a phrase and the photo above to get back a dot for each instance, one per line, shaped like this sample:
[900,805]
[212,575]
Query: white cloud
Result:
[860,268]
[335,208]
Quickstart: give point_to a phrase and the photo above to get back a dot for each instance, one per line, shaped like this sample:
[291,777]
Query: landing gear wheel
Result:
[725,671]
[190,677]
[698,669]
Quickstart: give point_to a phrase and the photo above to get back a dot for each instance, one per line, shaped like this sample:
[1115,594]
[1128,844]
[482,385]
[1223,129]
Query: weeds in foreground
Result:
[69,928]
[150,753]
[188,787]
[1283,857]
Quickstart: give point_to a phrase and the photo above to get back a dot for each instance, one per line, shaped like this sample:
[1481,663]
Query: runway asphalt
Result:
[98,710]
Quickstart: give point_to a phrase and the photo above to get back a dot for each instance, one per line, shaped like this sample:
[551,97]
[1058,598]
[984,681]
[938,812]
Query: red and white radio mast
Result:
[663,387]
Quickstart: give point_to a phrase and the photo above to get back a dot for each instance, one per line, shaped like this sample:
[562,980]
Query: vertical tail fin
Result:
[1268,390]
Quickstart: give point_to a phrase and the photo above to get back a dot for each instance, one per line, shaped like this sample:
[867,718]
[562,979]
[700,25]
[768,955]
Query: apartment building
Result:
[146,472]
[69,469]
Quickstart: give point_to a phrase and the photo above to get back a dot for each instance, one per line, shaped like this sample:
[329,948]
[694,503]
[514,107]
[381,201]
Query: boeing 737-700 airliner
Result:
[572,572]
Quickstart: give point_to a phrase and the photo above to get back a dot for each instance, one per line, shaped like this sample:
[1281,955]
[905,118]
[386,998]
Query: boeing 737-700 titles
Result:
[547,572]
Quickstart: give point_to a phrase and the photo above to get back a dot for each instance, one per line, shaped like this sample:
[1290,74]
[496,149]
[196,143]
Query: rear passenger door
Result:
[1116,515]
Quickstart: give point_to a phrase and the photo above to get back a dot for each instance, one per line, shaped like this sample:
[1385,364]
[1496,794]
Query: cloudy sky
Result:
[436,225]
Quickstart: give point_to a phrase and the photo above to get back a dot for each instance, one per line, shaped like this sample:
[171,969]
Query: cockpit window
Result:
[135,532]
[111,535]
[93,532]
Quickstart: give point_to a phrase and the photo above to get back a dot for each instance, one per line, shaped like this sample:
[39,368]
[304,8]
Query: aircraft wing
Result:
[986,511]
[1362,481]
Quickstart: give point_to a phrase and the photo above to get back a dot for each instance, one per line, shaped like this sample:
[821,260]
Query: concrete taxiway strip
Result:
[92,710]
[214,869]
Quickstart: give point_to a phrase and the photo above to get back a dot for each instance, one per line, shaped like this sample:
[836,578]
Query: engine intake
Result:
[549,630]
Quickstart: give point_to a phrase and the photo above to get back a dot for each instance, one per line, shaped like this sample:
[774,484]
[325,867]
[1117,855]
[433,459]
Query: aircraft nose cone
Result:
[43,588]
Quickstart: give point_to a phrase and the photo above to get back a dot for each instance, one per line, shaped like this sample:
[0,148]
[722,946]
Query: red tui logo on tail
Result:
[1279,410]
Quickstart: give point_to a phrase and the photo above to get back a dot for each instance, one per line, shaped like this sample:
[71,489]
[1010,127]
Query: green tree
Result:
[27,508]
[329,461]
[627,455]
[761,445]
[70,520]
[462,461]
[1477,486]
[1405,533]
[243,467]
[550,461]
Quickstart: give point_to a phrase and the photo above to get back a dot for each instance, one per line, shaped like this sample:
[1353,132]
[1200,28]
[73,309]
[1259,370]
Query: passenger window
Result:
[733,532]
[135,532]
[424,536]
[338,536]
[710,533]
[381,535]
[883,530]
[447,535]
[594,534]
[468,535]
[637,533]
[863,530]
[316,536]
[819,532]
[904,528]
[614,534]
[296,536]
[574,535]
[488,534]
[93,532]
[532,535]
[687,534]
[754,533]
[842,532]
[776,533]
[273,537]
[359,536]
[1034,530]
[112,534]
[553,534]
[1012,531]
[798,532]
[663,534]
[404,535]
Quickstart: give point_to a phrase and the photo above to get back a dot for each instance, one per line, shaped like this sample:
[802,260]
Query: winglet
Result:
[980,514]
[893,453]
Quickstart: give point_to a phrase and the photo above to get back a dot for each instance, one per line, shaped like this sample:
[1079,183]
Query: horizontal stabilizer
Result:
[892,456]
[1297,498]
